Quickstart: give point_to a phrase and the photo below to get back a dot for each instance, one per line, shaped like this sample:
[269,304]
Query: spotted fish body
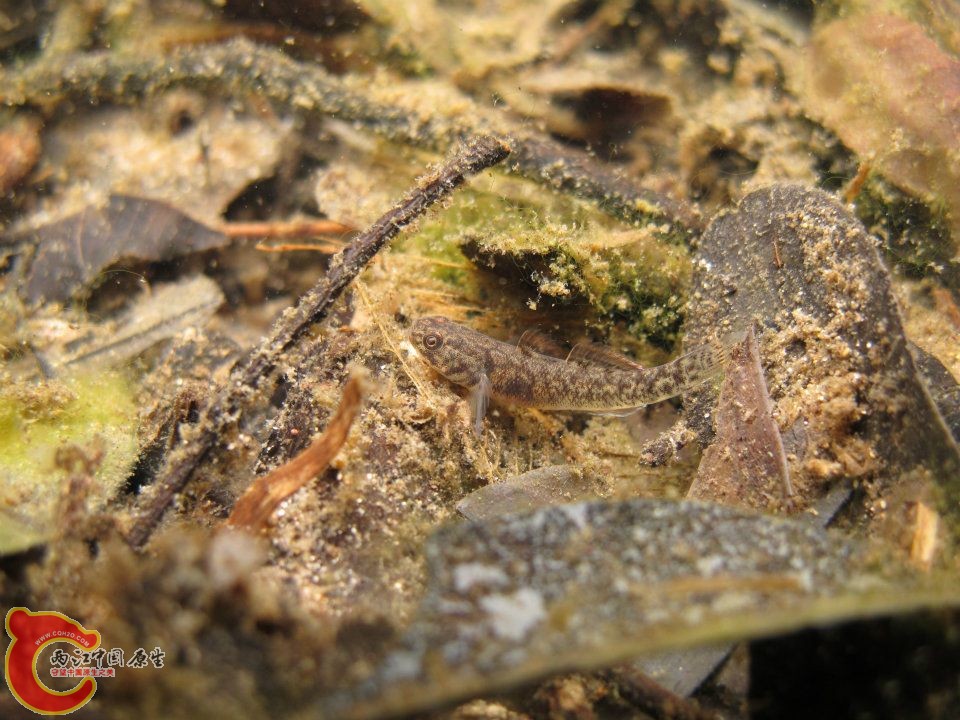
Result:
[509,374]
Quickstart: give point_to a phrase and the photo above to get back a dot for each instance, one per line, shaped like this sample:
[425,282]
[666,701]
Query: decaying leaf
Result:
[162,313]
[587,585]
[254,508]
[893,96]
[553,485]
[944,389]
[683,671]
[71,253]
[846,393]
[745,466]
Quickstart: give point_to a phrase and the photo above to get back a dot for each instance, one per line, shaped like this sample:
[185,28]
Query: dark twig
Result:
[654,699]
[257,504]
[247,375]
[240,68]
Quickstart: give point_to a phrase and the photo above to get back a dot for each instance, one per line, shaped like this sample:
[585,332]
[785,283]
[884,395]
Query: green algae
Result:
[561,251]
[85,410]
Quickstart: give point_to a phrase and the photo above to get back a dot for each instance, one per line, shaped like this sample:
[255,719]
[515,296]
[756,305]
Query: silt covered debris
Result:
[220,221]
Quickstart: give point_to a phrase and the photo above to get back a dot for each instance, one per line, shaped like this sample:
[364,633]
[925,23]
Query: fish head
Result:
[452,350]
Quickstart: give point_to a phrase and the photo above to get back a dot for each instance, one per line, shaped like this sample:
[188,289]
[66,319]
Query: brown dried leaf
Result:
[254,508]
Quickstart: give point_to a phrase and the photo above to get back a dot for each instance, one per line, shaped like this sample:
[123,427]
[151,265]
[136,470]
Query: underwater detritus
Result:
[240,67]
[67,256]
[587,585]
[252,511]
[943,386]
[846,394]
[745,465]
[217,214]
[893,96]
[227,405]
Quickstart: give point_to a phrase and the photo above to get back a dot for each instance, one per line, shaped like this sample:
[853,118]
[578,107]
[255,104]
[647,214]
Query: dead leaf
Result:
[893,96]
[538,488]
[72,253]
[745,466]
[797,264]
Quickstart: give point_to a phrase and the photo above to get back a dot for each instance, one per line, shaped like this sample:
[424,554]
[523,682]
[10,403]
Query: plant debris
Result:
[585,585]
[893,96]
[198,253]
[71,254]
[847,396]
[253,509]
[745,465]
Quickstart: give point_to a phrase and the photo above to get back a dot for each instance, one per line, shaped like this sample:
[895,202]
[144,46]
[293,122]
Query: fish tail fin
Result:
[707,361]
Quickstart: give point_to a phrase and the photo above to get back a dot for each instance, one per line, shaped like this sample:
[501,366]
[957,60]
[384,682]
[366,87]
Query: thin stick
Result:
[230,400]
[255,507]
[240,68]
[327,248]
[285,229]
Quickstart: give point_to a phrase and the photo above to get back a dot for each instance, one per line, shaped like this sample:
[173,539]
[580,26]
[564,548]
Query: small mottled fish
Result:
[591,379]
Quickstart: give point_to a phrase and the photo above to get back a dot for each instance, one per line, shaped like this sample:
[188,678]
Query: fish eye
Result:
[432,341]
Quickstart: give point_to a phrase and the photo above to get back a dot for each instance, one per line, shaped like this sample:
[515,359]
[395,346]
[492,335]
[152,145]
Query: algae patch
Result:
[566,253]
[38,419]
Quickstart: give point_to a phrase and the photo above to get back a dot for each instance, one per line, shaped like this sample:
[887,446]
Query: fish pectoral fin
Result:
[535,341]
[590,353]
[479,400]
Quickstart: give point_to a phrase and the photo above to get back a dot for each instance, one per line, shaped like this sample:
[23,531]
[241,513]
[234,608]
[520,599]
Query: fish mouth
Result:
[415,335]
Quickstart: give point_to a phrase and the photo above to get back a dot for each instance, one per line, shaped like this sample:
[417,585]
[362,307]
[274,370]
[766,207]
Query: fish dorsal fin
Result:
[536,341]
[590,353]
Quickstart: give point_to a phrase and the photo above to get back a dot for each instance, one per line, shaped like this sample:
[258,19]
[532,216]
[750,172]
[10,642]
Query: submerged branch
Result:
[240,68]
[230,401]
[255,507]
